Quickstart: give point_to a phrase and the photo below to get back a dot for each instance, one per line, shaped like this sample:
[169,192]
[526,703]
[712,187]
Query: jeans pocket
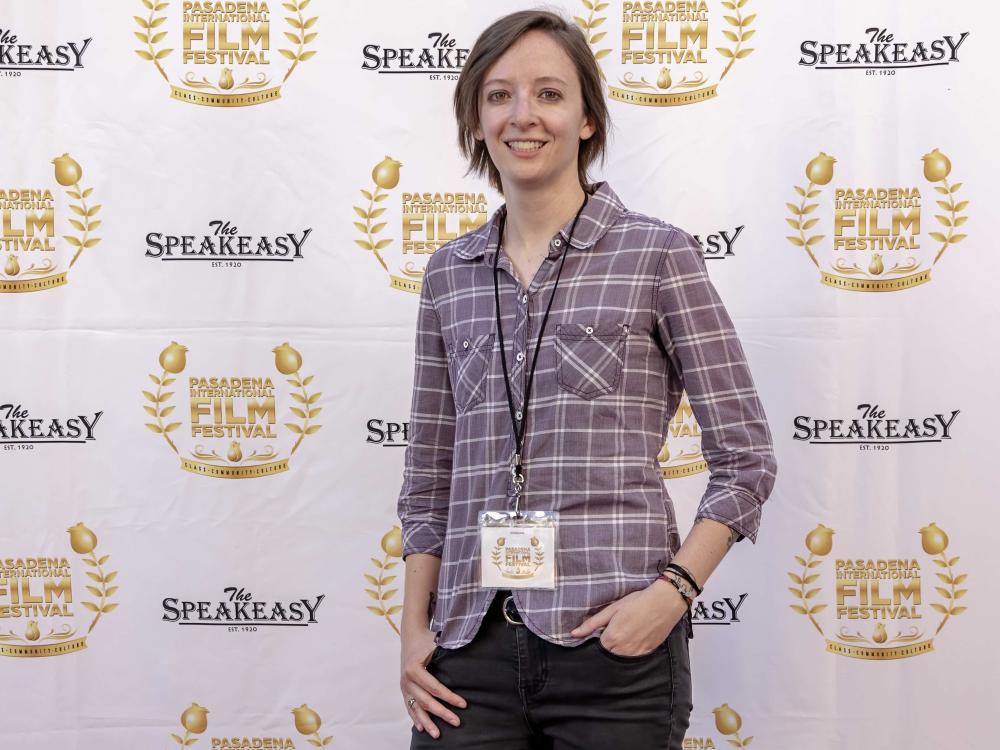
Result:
[637,658]
[468,364]
[590,358]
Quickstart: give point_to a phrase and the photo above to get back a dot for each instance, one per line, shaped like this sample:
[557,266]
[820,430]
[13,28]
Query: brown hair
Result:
[495,40]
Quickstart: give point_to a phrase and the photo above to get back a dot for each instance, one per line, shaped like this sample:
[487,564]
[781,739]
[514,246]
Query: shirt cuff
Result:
[736,510]
[423,538]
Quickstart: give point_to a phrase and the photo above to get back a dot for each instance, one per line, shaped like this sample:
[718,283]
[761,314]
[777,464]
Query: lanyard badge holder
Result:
[518,547]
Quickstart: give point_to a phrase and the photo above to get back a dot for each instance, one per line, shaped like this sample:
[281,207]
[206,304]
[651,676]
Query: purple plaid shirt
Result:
[635,321]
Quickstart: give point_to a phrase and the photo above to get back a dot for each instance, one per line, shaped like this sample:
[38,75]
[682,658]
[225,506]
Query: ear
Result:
[588,128]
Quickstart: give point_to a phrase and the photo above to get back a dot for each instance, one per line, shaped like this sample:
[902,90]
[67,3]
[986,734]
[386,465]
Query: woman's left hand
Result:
[638,622]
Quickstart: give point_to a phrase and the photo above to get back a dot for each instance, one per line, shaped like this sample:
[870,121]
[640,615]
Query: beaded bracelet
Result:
[673,582]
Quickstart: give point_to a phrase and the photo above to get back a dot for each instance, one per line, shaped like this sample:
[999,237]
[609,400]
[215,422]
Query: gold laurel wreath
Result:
[301,24]
[379,594]
[147,36]
[744,33]
[84,240]
[802,594]
[156,411]
[953,221]
[591,23]
[103,592]
[801,225]
[304,414]
[367,229]
[951,595]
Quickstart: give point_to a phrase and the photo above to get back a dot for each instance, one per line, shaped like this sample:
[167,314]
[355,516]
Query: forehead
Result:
[535,55]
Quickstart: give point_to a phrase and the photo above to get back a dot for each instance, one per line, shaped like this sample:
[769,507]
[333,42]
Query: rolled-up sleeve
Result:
[423,498]
[703,348]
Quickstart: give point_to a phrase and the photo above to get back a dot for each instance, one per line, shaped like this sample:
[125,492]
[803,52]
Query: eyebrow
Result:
[540,79]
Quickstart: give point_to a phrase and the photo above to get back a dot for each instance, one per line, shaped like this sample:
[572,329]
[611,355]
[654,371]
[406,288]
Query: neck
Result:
[535,215]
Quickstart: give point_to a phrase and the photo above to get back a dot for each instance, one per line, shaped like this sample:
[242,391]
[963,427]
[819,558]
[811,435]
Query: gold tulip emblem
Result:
[880,635]
[820,169]
[876,266]
[235,454]
[819,541]
[226,81]
[68,172]
[82,539]
[32,633]
[663,81]
[386,173]
[727,721]
[172,358]
[933,539]
[195,719]
[307,721]
[286,359]
[937,166]
[392,542]
[12,267]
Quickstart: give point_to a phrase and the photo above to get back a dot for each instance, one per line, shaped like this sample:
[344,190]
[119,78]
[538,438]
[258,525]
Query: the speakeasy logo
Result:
[307,722]
[880,53]
[681,454]
[719,244]
[19,55]
[879,241]
[440,59]
[872,430]
[234,418]
[877,609]
[223,244]
[722,611]
[728,723]
[667,53]
[238,610]
[43,611]
[31,215]
[388,434]
[227,56]
[425,221]
[20,429]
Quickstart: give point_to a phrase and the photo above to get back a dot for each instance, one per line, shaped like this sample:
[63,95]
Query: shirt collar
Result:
[598,216]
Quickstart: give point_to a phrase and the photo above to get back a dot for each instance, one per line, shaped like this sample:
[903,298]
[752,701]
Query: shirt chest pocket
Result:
[468,366]
[590,358]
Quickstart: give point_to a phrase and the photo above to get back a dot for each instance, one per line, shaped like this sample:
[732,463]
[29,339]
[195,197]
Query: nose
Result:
[523,113]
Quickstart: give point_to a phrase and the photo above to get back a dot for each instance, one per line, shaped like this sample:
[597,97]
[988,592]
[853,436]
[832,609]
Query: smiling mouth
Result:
[525,146]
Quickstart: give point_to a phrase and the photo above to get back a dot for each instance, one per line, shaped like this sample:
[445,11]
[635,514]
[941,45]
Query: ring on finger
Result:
[410,701]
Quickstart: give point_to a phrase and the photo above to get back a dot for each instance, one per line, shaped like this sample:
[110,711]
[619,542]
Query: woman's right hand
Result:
[416,682]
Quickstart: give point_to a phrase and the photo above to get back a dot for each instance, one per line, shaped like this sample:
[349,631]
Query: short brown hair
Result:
[495,40]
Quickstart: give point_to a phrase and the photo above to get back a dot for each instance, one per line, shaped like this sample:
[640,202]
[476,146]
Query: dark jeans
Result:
[525,693]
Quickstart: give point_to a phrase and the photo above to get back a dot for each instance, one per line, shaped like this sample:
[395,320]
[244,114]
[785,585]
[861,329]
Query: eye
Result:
[555,94]
[491,96]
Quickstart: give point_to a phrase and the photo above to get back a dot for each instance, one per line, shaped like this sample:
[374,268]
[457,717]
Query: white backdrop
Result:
[321,528]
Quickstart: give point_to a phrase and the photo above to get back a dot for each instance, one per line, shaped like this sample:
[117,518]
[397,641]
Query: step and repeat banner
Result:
[215,220]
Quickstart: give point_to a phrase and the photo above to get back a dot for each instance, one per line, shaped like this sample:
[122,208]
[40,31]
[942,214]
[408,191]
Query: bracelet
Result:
[673,582]
[686,575]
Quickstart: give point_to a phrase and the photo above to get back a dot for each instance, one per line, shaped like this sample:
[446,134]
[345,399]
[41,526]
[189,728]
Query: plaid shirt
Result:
[635,321]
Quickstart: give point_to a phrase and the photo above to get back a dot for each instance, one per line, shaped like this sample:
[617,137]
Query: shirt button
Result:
[524,298]
[589,331]
[517,414]
[520,356]
[465,344]
[557,243]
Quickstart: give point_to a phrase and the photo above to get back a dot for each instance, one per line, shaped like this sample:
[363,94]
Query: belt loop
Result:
[510,600]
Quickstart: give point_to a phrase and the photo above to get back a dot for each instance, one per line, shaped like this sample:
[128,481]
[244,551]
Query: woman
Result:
[553,344]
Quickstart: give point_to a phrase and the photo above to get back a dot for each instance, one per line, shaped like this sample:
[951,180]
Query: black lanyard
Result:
[516,468]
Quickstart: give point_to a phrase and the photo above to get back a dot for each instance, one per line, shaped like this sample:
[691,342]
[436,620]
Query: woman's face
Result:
[531,113]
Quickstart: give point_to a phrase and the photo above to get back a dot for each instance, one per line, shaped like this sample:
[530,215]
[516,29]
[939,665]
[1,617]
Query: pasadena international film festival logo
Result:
[307,723]
[728,723]
[878,243]
[34,257]
[879,53]
[681,454]
[19,55]
[42,612]
[871,430]
[238,611]
[667,53]
[229,54]
[879,612]
[423,222]
[223,245]
[21,430]
[234,421]
[440,59]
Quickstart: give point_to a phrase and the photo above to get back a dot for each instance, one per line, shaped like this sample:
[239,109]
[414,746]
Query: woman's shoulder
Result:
[661,234]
